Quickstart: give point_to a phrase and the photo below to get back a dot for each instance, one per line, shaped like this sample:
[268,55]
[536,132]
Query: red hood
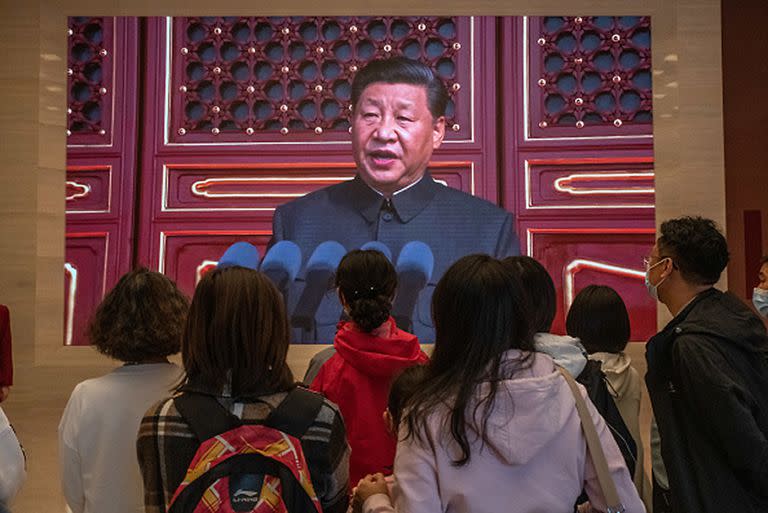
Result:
[378,356]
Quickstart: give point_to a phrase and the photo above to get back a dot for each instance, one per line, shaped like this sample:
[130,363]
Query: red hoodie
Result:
[357,378]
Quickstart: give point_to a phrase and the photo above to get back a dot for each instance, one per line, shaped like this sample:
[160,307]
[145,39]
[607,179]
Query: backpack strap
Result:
[296,413]
[205,415]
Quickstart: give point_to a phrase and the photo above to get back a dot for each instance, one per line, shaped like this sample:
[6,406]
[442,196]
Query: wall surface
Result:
[688,138]
[745,116]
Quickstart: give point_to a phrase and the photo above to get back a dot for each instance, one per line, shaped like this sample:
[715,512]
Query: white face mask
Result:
[760,300]
[653,290]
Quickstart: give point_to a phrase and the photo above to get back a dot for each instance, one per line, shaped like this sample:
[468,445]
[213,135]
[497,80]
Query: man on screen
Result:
[398,120]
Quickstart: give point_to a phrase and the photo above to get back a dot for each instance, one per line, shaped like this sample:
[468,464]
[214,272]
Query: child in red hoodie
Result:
[403,387]
[370,351]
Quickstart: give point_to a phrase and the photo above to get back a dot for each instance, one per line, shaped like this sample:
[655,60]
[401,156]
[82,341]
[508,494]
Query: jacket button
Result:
[678,330]
[387,216]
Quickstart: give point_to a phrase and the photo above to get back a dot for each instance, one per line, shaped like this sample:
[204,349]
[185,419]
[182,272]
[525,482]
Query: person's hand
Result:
[369,485]
[4,391]
[354,506]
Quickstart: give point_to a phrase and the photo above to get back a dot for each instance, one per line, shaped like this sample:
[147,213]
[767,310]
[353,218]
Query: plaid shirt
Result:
[166,446]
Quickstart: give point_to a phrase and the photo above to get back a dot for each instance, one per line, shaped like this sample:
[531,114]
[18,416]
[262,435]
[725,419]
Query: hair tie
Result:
[369,293]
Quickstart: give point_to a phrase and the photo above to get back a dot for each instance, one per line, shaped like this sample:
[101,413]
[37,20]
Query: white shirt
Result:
[12,471]
[97,437]
[396,192]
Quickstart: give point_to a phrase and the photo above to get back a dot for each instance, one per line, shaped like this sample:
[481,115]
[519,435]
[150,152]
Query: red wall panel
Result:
[580,256]
[185,255]
[85,277]
[101,158]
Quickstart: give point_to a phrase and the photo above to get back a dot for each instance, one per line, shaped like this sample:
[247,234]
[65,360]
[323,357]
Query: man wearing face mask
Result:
[760,294]
[707,376]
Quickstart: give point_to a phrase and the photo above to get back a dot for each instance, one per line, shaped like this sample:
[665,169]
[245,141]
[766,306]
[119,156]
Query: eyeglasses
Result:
[647,260]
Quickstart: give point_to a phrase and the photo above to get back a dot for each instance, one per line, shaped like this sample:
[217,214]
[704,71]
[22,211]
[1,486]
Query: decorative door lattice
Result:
[591,74]
[101,155]
[89,80]
[246,79]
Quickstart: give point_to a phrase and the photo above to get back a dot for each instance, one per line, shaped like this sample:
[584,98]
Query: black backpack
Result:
[594,380]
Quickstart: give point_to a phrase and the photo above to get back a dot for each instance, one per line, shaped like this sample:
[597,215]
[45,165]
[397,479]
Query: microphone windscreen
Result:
[414,270]
[378,246]
[240,254]
[318,279]
[326,256]
[417,257]
[282,263]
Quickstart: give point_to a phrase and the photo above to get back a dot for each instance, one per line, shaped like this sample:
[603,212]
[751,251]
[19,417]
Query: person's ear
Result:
[669,266]
[388,422]
[438,132]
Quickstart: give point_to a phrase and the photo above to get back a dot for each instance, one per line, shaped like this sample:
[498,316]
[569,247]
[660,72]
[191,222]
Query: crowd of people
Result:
[503,415]
[487,422]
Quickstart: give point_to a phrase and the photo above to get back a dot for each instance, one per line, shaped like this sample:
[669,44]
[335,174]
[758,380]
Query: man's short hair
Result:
[401,70]
[764,260]
[697,248]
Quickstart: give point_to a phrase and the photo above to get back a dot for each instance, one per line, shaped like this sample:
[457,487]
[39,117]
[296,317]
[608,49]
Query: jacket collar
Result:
[658,347]
[406,204]
[682,314]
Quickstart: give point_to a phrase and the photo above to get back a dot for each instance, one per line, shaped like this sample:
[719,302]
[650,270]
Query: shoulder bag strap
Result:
[595,448]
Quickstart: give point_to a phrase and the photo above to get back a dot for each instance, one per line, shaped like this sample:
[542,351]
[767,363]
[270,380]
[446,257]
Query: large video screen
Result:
[187,134]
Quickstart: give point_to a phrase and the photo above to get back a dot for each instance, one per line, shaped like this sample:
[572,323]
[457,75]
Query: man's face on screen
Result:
[393,135]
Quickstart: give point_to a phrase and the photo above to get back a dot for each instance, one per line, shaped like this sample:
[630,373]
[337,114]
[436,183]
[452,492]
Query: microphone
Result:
[281,264]
[240,254]
[414,270]
[378,246]
[320,271]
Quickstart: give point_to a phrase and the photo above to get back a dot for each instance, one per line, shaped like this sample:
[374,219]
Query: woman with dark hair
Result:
[493,426]
[599,318]
[234,349]
[370,351]
[538,290]
[139,323]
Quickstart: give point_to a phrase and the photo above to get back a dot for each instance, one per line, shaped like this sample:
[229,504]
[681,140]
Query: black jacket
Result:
[708,382]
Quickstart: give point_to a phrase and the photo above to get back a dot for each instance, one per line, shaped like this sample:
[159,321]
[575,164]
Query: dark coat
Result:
[708,383]
[451,222]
